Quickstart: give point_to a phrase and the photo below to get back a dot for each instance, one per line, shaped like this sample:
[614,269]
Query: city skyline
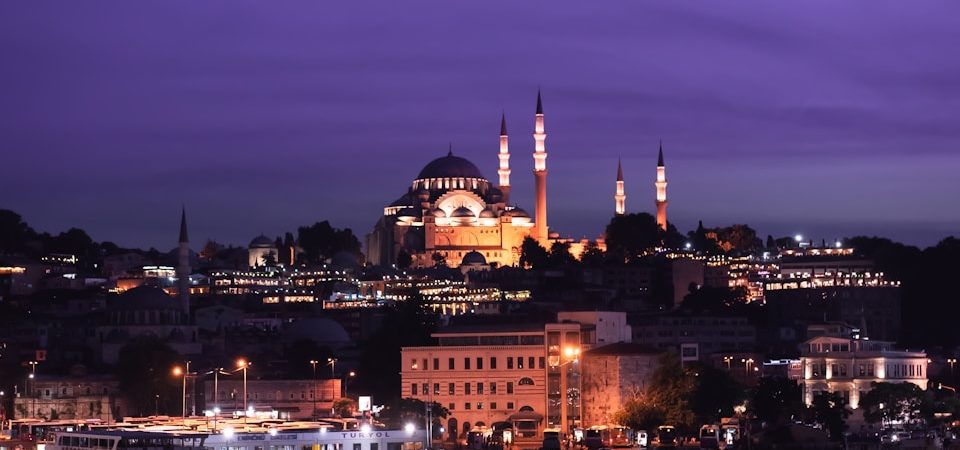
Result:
[826,120]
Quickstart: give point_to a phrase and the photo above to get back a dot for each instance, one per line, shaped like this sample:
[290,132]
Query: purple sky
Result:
[819,117]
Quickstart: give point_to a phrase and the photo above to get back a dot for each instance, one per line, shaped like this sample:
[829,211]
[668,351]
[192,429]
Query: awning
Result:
[525,416]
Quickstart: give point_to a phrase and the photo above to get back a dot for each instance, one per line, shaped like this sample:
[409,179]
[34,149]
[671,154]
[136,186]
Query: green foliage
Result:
[407,323]
[828,411]
[344,407]
[404,260]
[776,400]
[560,255]
[629,235]
[712,299]
[321,241]
[667,399]
[533,255]
[592,256]
[716,394]
[439,259]
[639,413]
[410,410]
[896,401]
[144,370]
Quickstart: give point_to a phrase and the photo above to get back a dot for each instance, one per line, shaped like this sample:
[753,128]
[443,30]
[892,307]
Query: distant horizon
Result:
[827,119]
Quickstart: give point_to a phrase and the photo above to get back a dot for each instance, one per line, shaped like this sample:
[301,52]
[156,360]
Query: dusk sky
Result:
[818,117]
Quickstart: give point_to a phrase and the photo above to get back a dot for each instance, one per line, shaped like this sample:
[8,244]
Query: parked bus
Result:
[709,437]
[666,437]
[613,436]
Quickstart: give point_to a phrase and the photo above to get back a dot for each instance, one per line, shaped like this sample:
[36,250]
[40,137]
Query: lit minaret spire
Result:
[540,175]
[504,156]
[621,196]
[661,185]
[183,265]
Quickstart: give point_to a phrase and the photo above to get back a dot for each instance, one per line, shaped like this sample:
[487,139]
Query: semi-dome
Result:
[487,213]
[437,212]
[461,212]
[473,257]
[408,214]
[450,167]
[261,242]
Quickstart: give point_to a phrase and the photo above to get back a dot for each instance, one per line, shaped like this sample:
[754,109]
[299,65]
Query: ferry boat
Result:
[228,439]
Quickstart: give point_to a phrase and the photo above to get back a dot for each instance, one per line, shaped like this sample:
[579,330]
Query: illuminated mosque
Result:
[451,213]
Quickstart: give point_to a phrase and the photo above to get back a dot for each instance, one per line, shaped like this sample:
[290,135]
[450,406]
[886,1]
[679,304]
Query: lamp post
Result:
[346,383]
[746,366]
[313,363]
[952,362]
[183,401]
[727,360]
[333,367]
[243,364]
[572,355]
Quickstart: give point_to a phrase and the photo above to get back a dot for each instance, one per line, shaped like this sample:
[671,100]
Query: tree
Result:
[404,260]
[533,255]
[771,244]
[895,401]
[321,241]
[560,255]
[828,411]
[776,400]
[439,259]
[629,235]
[712,299]
[592,256]
[210,250]
[344,407]
[270,259]
[144,370]
[639,413]
[410,410]
[715,395]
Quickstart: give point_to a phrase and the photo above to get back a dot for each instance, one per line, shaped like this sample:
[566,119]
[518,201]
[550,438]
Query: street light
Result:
[332,362]
[727,360]
[952,362]
[243,364]
[346,382]
[314,363]
[177,371]
[746,365]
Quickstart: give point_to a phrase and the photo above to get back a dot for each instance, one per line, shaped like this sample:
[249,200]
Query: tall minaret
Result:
[661,185]
[504,156]
[620,196]
[540,175]
[183,265]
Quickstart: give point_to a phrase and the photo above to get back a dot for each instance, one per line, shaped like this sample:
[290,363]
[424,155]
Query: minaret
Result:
[504,156]
[661,185]
[540,175]
[183,265]
[620,196]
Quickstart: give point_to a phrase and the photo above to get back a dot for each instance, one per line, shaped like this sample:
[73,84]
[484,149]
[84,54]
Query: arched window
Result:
[526,408]
[525,381]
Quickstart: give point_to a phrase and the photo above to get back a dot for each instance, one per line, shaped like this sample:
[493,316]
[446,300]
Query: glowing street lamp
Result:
[313,363]
[243,364]
[952,362]
[177,371]
[332,362]
[727,360]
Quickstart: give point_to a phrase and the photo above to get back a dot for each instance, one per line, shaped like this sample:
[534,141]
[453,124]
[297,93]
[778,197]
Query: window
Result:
[436,363]
[466,363]
[466,388]
[436,388]
[466,406]
[493,362]
[509,362]
[356,446]
[543,362]
[426,389]
[479,363]
[510,405]
[425,364]
[451,388]
[509,387]
[479,405]
[479,388]
[493,387]
[525,381]
[374,445]
[450,364]
[413,364]
[530,362]
[493,405]
[519,362]
[413,389]
[450,406]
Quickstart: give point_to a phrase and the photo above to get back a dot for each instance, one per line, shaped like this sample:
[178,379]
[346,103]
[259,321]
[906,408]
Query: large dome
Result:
[450,167]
